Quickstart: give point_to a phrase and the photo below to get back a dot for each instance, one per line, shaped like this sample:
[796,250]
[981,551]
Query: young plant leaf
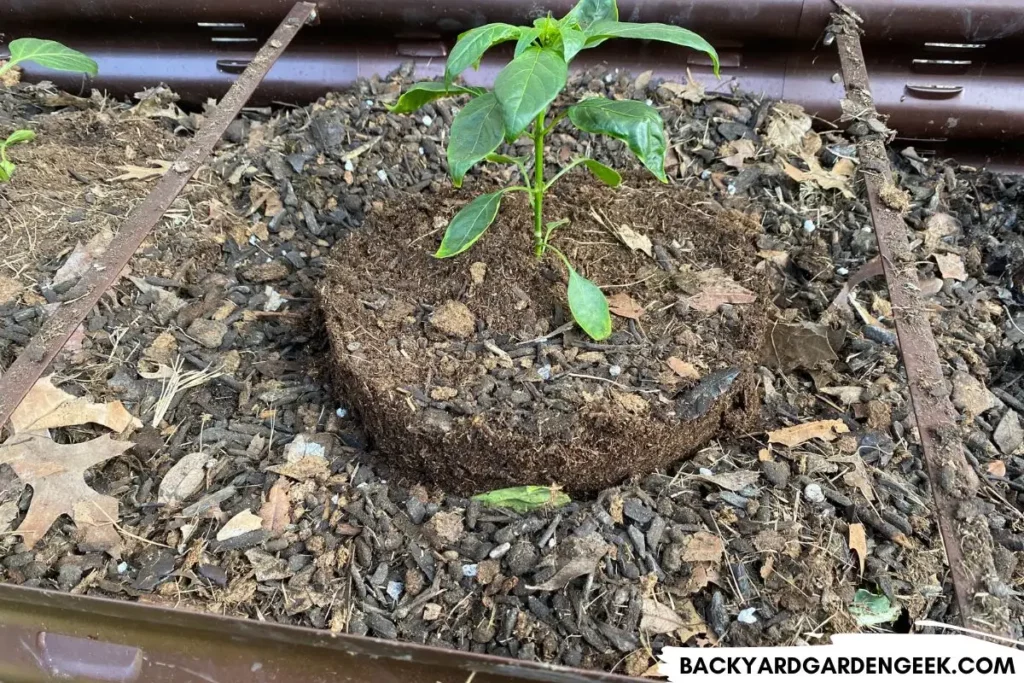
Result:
[523,499]
[19,136]
[476,132]
[573,40]
[608,176]
[6,170]
[587,304]
[469,224]
[588,12]
[526,40]
[665,33]
[51,54]
[420,94]
[527,85]
[505,159]
[472,45]
[636,123]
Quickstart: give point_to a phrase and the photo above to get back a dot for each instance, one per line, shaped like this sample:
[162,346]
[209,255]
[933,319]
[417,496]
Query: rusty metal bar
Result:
[45,636]
[953,482]
[44,346]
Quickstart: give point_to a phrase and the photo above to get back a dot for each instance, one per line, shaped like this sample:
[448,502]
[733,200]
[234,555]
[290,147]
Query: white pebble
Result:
[544,371]
[650,102]
[747,616]
[395,589]
[705,472]
[469,570]
[341,412]
[422,152]
[122,568]
[427,120]
[809,226]
[843,271]
[500,551]
[814,494]
[349,166]
[383,175]
[274,299]
[614,371]
[369,103]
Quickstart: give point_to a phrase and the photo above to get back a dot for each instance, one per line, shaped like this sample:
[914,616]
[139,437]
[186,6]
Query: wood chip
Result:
[951,266]
[826,430]
[859,543]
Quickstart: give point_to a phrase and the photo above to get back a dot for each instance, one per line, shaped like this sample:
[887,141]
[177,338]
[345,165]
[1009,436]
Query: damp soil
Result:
[468,370]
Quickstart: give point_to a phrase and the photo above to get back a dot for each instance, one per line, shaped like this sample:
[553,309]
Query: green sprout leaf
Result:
[587,304]
[6,170]
[19,136]
[636,123]
[526,40]
[523,499]
[51,54]
[573,40]
[527,86]
[472,45]
[469,224]
[665,33]
[505,159]
[420,94]
[872,610]
[608,176]
[588,12]
[476,132]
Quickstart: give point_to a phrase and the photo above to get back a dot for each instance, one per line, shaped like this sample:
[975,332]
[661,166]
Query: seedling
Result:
[49,54]
[6,167]
[522,96]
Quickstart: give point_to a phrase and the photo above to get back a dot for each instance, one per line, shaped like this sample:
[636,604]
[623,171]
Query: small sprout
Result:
[6,167]
[519,105]
[523,499]
[49,54]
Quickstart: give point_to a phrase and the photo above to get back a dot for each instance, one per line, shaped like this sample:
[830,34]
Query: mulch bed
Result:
[748,542]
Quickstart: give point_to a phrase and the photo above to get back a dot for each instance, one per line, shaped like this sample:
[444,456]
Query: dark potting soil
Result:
[469,371]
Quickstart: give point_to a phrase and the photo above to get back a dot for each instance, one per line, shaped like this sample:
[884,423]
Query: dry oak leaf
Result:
[659,618]
[634,240]
[859,542]
[997,468]
[683,369]
[141,172]
[45,407]
[624,306]
[56,473]
[736,152]
[836,179]
[717,288]
[276,512]
[826,430]
[787,127]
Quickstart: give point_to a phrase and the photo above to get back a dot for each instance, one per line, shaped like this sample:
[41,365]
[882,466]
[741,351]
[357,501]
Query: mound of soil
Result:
[469,371]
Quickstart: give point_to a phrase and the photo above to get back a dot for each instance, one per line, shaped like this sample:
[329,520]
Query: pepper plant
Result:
[519,105]
[46,53]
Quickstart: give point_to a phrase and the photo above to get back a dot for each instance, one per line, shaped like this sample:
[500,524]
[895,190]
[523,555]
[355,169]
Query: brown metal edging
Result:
[953,482]
[44,346]
[45,635]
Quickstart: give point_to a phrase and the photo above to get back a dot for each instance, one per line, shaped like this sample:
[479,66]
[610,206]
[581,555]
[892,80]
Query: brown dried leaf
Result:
[692,91]
[703,547]
[731,481]
[858,478]
[717,288]
[736,152]
[951,266]
[624,306]
[633,239]
[859,543]
[997,468]
[615,507]
[826,430]
[804,345]
[141,172]
[787,126]
[308,467]
[266,197]
[46,407]
[276,511]
[683,369]
[657,618]
[846,395]
[56,473]
[836,179]
[937,227]
[82,258]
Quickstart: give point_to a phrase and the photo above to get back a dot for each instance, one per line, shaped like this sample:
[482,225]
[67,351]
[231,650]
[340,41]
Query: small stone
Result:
[776,472]
[209,333]
[431,611]
[444,529]
[814,494]
[1009,435]
[381,626]
[499,551]
[454,319]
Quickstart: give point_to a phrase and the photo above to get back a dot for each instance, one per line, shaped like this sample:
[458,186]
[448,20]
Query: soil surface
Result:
[472,357]
[289,516]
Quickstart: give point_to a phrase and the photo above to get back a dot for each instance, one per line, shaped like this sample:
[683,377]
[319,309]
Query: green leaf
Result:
[588,12]
[19,136]
[476,132]
[573,40]
[52,55]
[523,499]
[871,610]
[419,94]
[636,123]
[526,40]
[665,33]
[472,45]
[505,159]
[587,304]
[6,170]
[608,176]
[527,85]
[469,224]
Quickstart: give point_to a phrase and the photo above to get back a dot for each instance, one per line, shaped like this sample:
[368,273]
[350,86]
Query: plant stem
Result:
[538,186]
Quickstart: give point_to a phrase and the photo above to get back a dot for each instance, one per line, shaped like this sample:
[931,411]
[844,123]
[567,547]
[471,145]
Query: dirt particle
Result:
[444,529]
[443,393]
[266,272]
[895,198]
[478,271]
[209,333]
[454,319]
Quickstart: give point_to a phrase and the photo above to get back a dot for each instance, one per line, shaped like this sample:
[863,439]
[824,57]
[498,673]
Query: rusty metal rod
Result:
[953,482]
[44,346]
